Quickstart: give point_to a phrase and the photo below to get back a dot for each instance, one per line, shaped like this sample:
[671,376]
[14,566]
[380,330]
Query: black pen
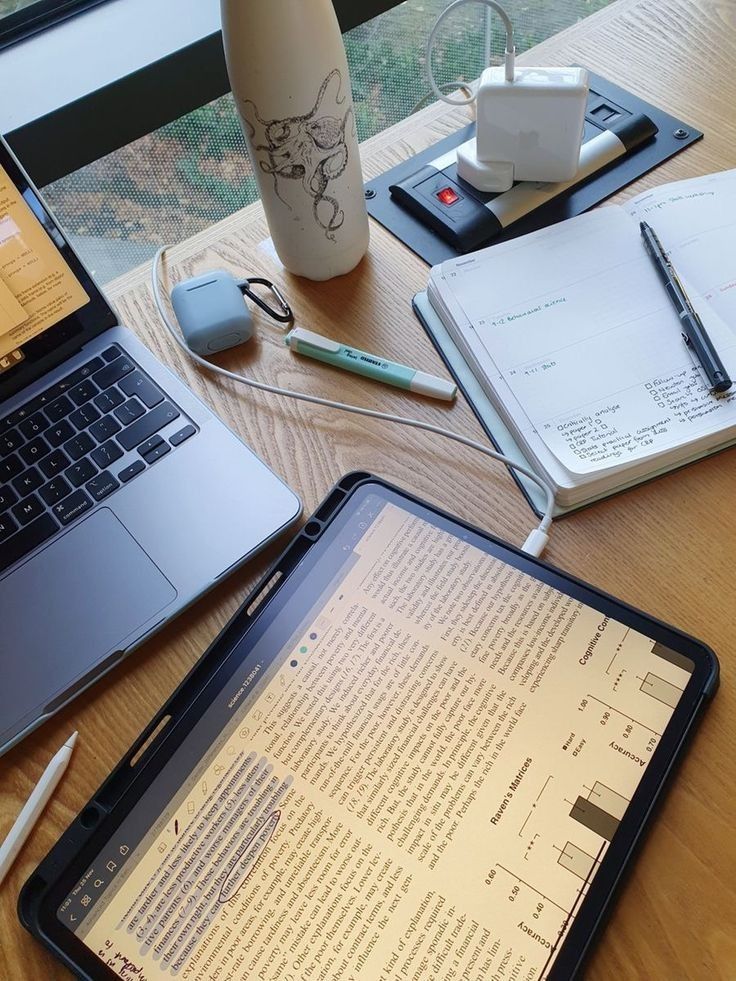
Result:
[693,331]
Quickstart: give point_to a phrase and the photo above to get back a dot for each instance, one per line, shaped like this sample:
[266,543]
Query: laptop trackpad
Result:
[82,600]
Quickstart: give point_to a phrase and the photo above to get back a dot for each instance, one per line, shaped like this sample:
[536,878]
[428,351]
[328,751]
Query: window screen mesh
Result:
[194,171]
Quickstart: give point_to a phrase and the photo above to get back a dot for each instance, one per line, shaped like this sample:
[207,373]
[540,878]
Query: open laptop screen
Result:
[49,305]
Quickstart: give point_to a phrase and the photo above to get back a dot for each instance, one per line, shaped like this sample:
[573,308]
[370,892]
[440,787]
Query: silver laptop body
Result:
[133,499]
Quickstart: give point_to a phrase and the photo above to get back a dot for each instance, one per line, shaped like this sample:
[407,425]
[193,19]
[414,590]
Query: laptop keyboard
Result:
[78,442]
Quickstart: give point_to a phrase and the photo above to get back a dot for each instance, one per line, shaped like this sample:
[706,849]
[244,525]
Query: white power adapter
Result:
[529,120]
[529,129]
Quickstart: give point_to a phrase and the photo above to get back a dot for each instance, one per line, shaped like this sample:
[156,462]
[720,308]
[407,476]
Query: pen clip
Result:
[695,360]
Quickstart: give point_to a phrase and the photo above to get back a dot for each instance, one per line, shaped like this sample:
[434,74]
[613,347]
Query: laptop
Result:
[122,497]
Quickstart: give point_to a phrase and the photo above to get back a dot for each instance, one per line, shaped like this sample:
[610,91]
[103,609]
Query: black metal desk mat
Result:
[673,136]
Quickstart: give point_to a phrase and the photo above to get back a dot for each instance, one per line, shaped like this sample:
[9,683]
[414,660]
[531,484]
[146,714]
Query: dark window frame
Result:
[37,16]
[108,103]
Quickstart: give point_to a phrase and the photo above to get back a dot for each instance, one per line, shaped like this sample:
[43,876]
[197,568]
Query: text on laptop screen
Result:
[37,287]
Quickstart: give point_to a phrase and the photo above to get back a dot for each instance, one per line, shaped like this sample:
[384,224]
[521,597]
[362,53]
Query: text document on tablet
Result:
[416,776]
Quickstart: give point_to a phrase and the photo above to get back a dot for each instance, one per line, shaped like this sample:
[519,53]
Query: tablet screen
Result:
[416,772]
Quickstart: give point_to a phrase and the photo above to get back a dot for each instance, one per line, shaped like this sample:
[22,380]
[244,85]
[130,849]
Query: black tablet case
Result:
[97,819]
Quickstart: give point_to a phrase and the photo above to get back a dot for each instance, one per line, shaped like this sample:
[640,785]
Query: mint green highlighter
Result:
[312,345]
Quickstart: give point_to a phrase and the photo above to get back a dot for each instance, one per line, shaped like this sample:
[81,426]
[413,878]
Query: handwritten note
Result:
[572,323]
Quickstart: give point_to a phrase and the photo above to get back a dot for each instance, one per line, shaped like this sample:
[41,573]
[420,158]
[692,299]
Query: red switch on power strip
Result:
[448,196]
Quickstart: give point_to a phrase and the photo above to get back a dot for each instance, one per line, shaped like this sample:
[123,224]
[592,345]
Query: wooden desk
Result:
[667,547]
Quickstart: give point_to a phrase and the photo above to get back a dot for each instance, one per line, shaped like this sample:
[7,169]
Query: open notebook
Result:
[572,338]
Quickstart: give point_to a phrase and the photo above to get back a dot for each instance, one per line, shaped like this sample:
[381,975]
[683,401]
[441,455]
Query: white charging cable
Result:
[538,538]
[509,54]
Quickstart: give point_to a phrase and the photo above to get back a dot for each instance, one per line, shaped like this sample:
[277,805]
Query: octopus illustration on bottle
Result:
[309,148]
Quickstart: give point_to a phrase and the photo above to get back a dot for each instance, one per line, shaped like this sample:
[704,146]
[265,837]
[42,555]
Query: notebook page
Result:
[494,386]
[575,321]
[696,222]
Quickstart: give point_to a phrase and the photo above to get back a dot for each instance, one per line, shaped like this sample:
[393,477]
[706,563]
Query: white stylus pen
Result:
[34,806]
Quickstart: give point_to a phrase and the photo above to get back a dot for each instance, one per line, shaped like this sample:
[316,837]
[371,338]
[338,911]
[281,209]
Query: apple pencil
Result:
[323,349]
[34,806]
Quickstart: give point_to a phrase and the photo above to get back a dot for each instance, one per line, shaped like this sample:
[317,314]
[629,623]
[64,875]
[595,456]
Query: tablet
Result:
[414,753]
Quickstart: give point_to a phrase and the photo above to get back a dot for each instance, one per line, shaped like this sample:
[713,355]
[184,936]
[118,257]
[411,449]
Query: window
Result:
[195,171]
[19,18]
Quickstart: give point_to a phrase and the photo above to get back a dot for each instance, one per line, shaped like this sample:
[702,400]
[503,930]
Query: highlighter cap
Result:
[436,388]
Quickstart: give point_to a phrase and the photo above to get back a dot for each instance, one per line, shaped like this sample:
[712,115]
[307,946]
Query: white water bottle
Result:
[289,75]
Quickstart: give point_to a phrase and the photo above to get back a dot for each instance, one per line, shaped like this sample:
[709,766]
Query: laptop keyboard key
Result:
[55,491]
[132,471]
[80,473]
[178,438]
[28,482]
[59,433]
[11,421]
[102,485]
[28,510]
[34,426]
[156,454]
[54,463]
[85,416]
[107,454]
[129,412]
[10,467]
[136,383]
[10,442]
[83,392]
[35,450]
[79,446]
[144,428]
[7,497]
[42,401]
[113,372]
[8,525]
[150,445]
[110,353]
[84,372]
[105,428]
[26,540]
[109,400]
[71,507]
[59,409]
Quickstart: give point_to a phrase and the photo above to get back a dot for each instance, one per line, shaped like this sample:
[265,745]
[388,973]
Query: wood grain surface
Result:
[667,547]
